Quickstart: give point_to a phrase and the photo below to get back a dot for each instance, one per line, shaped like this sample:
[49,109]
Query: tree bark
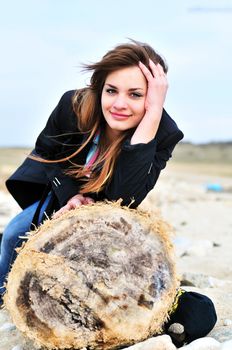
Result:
[101,277]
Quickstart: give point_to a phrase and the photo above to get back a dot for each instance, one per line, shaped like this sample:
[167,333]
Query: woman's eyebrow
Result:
[131,89]
[112,86]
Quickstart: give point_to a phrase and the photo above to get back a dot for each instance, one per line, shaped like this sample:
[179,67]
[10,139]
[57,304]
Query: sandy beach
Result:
[202,225]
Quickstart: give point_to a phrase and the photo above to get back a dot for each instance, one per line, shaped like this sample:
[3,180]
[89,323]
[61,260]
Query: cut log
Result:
[101,277]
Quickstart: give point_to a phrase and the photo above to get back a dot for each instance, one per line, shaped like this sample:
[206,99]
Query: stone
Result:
[181,244]
[206,343]
[162,342]
[227,345]
[185,246]
[4,317]
[199,248]
[227,322]
[176,328]
[9,335]
[7,327]
[200,280]
[222,333]
[17,347]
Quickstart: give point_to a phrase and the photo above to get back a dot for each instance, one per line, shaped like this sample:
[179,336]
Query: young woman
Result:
[109,140]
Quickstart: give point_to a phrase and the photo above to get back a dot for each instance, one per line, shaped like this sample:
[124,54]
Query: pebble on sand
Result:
[227,345]
[162,342]
[203,344]
[7,327]
[17,347]
[227,322]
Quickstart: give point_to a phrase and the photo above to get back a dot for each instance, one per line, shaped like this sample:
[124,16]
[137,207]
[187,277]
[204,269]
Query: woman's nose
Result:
[120,102]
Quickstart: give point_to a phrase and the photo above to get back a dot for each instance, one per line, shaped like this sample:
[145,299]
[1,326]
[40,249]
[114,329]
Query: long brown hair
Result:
[87,107]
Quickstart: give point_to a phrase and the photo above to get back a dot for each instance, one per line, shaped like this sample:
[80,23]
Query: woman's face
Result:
[123,100]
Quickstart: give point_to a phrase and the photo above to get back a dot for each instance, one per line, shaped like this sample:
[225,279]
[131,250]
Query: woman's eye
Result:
[136,95]
[110,91]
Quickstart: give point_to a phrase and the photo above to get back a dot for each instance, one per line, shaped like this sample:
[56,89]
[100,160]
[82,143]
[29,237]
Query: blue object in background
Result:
[215,187]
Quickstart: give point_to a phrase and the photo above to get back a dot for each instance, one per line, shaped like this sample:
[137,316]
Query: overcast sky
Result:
[43,43]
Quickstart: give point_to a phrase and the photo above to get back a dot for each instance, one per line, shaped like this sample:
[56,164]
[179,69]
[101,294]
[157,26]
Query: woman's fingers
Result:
[73,203]
[80,200]
[160,69]
[157,85]
[89,200]
[145,71]
[156,69]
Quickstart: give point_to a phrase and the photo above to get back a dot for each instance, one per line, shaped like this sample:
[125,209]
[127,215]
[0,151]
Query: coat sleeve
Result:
[53,142]
[138,166]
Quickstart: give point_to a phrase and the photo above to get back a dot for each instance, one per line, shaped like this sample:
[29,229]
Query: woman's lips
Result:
[120,116]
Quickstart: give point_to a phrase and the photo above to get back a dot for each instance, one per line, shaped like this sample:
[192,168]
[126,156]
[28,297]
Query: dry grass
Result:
[217,169]
[209,159]
[211,153]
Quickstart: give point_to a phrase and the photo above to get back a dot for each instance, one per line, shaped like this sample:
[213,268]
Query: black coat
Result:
[136,172]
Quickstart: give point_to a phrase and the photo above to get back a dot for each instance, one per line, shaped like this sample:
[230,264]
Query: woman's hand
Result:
[157,86]
[72,203]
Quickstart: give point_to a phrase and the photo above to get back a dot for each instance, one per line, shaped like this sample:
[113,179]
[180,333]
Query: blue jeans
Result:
[18,226]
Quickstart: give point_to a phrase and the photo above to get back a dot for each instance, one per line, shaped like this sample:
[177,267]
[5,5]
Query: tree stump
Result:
[101,276]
